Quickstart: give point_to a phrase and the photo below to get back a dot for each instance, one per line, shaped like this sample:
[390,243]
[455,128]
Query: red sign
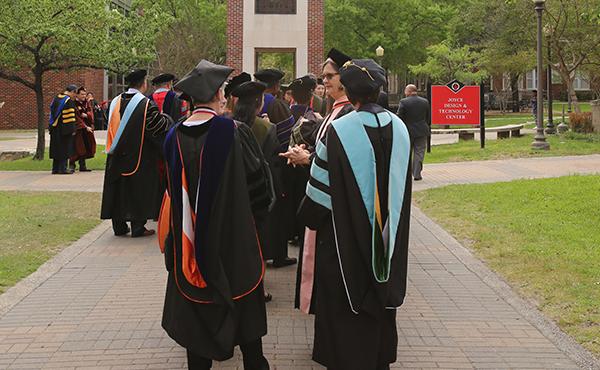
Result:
[455,104]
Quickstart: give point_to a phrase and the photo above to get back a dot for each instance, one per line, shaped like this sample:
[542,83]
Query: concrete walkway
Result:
[98,303]
[434,175]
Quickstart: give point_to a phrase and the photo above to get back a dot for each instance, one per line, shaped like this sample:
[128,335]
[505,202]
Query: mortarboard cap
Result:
[338,57]
[304,83]
[235,82]
[270,76]
[362,76]
[163,78]
[249,90]
[136,76]
[203,82]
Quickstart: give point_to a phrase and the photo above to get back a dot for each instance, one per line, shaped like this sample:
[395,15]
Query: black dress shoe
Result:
[85,170]
[121,233]
[145,232]
[288,261]
[65,172]
[418,178]
[268,297]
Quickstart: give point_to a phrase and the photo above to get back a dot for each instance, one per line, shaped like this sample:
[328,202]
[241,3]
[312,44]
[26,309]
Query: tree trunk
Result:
[41,118]
[514,88]
[572,94]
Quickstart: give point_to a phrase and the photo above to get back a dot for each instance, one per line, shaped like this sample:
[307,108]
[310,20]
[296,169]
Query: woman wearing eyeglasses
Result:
[301,155]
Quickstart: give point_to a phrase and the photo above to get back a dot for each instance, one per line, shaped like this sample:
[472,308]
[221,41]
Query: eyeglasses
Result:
[329,76]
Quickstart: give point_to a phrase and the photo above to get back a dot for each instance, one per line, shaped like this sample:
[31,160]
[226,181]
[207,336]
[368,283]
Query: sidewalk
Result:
[26,141]
[98,304]
[434,175]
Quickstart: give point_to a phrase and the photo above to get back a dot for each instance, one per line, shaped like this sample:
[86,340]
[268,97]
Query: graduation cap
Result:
[163,78]
[304,83]
[203,82]
[136,76]
[249,90]
[362,76]
[338,57]
[235,82]
[270,76]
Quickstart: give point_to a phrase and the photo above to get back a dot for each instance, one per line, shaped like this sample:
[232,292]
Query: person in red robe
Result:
[167,100]
[84,141]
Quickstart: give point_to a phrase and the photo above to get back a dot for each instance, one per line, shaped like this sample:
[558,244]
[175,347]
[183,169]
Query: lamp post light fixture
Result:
[540,142]
[380,52]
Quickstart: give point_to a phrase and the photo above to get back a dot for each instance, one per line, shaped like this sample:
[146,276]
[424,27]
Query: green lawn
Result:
[557,105]
[28,164]
[569,144]
[541,235]
[37,225]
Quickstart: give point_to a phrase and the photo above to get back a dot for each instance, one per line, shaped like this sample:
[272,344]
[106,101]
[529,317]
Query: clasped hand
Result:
[297,155]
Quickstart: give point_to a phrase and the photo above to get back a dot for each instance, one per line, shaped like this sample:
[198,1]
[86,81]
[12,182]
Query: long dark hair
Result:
[245,109]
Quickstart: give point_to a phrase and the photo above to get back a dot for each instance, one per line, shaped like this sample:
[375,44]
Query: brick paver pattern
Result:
[102,310]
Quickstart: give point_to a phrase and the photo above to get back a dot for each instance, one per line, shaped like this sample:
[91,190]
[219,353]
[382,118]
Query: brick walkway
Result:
[98,303]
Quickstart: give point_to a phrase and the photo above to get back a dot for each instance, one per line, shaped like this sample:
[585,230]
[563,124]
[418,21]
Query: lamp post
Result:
[550,129]
[380,52]
[539,139]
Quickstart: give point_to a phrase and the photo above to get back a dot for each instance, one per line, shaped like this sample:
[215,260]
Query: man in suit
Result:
[414,111]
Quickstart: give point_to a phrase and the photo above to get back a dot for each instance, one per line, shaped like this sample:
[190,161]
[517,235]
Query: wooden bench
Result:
[504,132]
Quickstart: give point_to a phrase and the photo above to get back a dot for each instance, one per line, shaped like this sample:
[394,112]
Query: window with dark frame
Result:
[275,6]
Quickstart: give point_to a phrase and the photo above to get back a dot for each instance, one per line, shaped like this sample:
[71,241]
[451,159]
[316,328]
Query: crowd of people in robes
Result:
[72,122]
[234,170]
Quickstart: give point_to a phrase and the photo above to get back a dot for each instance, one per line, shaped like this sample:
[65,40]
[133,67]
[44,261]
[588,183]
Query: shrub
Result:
[581,122]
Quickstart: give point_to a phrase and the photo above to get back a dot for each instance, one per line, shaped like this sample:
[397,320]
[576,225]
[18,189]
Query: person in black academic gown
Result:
[249,101]
[302,155]
[358,201]
[232,83]
[62,128]
[278,112]
[165,98]
[132,190]
[217,193]
[303,133]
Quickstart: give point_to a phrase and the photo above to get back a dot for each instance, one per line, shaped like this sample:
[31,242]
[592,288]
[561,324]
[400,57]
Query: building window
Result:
[116,84]
[581,82]
[275,7]
[281,58]
[531,80]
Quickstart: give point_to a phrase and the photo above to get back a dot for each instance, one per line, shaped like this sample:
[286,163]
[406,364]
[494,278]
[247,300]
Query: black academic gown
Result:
[303,132]
[367,339]
[274,241]
[61,133]
[327,121]
[232,259]
[132,190]
[171,104]
[283,212]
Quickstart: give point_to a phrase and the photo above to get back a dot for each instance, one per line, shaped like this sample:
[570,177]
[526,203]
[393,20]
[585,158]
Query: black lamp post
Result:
[550,129]
[539,139]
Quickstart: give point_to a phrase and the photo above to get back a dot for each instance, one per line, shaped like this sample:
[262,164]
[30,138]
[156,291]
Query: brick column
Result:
[235,34]
[316,35]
